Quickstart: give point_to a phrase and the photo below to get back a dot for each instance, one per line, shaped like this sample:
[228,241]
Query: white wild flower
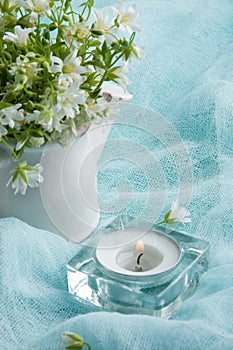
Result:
[20,37]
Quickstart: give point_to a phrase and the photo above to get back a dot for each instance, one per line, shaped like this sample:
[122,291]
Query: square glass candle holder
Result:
[159,293]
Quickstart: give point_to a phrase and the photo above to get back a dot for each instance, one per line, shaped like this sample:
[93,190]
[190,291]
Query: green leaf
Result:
[108,58]
[97,32]
[14,176]
[55,48]
[67,4]
[127,53]
[29,168]
[132,37]
[74,336]
[91,3]
[134,52]
[76,346]
[94,42]
[6,5]
[166,217]
[5,104]
[82,50]
[23,164]
[104,48]
[116,22]
[94,94]
[113,69]
[66,18]
[46,65]
[90,81]
[95,63]
[91,76]
[52,26]
[24,21]
[112,76]
[23,175]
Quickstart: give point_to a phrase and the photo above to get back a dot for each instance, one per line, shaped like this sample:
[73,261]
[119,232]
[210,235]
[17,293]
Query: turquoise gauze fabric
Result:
[187,77]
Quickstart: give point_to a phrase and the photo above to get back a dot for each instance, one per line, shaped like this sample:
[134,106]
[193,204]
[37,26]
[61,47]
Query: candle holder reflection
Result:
[151,274]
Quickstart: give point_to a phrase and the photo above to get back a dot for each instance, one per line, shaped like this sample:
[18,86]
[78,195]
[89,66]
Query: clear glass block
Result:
[158,295]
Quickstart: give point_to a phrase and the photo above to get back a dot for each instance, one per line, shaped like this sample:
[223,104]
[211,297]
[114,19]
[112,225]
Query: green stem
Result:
[117,59]
[11,150]
[89,13]
[88,345]
[53,17]
[106,72]
[161,222]
[114,36]
[84,9]
[21,12]
[101,81]
[72,12]
[1,41]
[38,28]
[60,14]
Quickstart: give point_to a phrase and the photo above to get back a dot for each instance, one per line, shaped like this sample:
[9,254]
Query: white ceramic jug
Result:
[66,202]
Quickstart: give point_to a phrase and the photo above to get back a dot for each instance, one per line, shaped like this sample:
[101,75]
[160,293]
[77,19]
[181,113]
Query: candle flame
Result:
[140,246]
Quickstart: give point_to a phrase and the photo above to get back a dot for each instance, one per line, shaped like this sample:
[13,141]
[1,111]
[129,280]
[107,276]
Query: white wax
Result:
[117,252]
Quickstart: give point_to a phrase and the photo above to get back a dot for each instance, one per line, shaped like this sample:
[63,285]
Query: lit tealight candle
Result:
[123,252]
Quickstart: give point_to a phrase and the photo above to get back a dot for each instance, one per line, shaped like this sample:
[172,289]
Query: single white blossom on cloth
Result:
[25,176]
[177,214]
[20,37]
[126,18]
[73,341]
[11,116]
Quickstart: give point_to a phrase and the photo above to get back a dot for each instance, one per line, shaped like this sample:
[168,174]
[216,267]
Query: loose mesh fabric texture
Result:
[187,80]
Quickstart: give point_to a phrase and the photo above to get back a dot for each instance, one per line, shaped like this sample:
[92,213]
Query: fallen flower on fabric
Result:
[73,341]
[176,214]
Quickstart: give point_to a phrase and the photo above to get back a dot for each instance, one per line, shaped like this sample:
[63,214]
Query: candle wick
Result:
[139,257]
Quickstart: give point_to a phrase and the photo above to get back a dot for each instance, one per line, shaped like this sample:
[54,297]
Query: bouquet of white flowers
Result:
[54,60]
